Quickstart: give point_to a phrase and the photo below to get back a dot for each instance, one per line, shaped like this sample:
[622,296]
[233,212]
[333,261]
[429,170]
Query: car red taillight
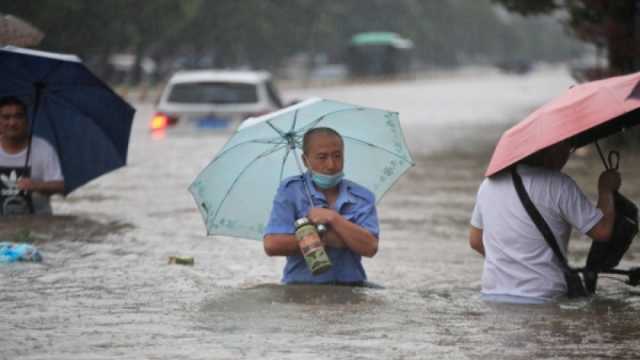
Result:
[161,121]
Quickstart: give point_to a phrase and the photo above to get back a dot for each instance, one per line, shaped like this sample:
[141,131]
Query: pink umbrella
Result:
[586,112]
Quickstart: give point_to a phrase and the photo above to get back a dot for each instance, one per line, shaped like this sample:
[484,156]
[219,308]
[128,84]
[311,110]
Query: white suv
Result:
[215,98]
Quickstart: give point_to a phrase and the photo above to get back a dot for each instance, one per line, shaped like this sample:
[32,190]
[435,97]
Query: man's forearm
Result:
[281,245]
[52,187]
[478,247]
[608,183]
[332,239]
[475,240]
[45,187]
[607,206]
[355,237]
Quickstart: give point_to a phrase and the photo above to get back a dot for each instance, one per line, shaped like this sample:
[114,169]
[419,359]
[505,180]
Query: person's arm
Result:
[281,245]
[332,239]
[475,240]
[354,236]
[280,237]
[608,182]
[43,187]
[52,178]
[476,225]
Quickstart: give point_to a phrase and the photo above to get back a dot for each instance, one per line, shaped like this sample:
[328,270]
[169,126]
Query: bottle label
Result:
[312,249]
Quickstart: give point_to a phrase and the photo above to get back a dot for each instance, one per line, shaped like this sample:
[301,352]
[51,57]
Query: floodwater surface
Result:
[106,291]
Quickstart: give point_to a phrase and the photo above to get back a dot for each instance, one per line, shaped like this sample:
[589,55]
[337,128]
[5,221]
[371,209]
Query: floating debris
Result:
[181,260]
[12,252]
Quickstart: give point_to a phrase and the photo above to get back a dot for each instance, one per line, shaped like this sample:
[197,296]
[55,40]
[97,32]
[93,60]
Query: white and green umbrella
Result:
[235,191]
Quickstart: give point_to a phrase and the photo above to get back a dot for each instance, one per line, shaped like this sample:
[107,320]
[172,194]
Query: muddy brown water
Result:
[105,290]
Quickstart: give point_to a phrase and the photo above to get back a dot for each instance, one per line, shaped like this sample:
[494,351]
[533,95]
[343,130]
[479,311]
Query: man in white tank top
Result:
[25,189]
[519,265]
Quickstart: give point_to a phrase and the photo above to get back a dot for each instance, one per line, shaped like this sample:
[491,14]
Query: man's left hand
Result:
[322,215]
[326,216]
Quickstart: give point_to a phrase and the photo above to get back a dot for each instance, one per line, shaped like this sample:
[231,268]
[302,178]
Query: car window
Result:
[273,94]
[213,93]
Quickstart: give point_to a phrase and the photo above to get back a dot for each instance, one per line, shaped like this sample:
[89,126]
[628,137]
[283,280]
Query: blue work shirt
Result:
[354,202]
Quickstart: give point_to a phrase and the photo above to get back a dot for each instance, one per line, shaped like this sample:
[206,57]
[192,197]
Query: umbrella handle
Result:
[306,188]
[614,160]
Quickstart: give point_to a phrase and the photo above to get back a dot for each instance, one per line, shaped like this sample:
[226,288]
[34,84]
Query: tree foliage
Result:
[528,7]
[610,25]
[264,33]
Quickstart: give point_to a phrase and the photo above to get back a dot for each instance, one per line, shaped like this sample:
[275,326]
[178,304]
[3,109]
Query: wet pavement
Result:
[105,290]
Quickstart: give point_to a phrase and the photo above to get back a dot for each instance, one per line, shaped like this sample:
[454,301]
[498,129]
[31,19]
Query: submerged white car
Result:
[215,98]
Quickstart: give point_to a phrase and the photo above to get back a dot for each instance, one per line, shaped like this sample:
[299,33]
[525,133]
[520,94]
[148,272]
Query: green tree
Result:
[96,29]
[612,25]
[263,33]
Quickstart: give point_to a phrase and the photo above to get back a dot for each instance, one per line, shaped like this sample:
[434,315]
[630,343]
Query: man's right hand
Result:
[609,181]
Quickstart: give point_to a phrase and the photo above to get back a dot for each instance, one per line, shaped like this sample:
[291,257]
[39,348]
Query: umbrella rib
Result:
[226,195]
[275,128]
[284,162]
[295,120]
[270,141]
[380,148]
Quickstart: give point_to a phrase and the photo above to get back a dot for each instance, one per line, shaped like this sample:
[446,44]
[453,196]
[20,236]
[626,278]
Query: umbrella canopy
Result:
[81,117]
[17,32]
[235,191]
[586,112]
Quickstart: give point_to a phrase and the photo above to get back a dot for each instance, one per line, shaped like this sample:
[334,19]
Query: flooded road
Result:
[105,290]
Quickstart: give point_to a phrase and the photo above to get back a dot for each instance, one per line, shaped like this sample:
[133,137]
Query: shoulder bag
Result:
[575,286]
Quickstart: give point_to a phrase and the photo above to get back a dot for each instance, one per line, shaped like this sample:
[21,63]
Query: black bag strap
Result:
[541,224]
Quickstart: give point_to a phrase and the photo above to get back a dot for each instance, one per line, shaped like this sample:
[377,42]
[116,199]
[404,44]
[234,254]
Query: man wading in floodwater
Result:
[344,207]
[25,189]
[519,265]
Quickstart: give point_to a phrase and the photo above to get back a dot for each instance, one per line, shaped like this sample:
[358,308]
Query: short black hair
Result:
[538,157]
[12,100]
[535,159]
[306,139]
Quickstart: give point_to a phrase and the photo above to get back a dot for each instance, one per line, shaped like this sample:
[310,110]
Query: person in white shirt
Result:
[25,189]
[519,265]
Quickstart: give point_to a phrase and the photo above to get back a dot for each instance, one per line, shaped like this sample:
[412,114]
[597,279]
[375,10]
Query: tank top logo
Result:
[14,201]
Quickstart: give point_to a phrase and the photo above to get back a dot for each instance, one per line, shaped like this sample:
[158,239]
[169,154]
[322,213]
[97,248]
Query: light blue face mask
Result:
[325,182]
